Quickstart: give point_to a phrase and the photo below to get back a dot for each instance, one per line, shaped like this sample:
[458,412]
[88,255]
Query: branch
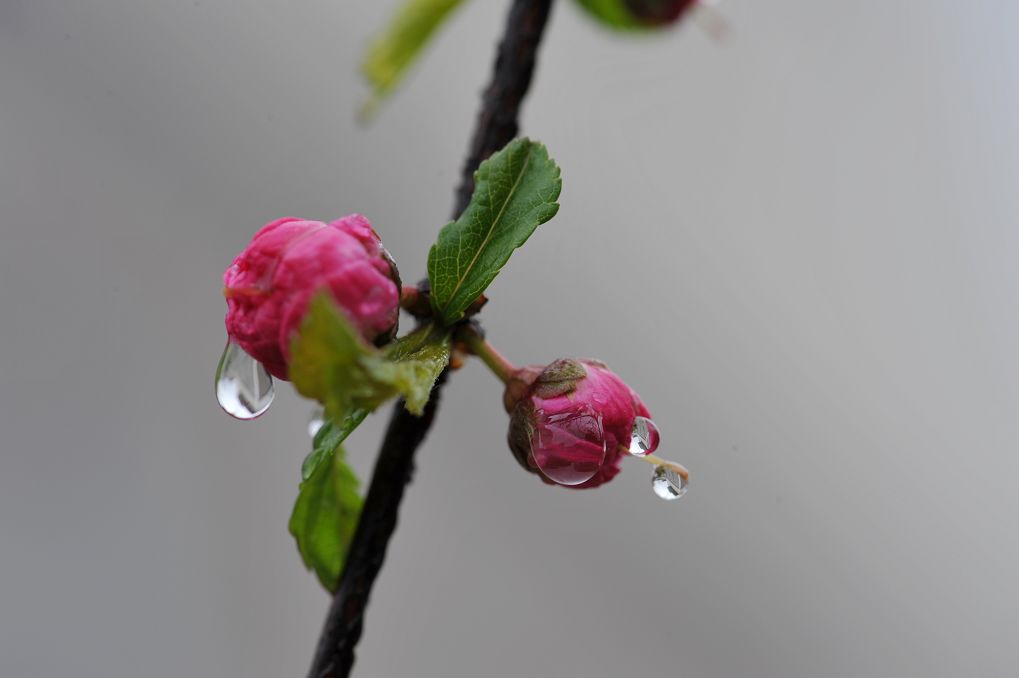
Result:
[496,126]
[497,122]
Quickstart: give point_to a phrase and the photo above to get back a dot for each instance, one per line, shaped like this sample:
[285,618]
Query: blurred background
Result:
[798,244]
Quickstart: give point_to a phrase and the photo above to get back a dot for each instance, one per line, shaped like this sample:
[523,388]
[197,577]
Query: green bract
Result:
[515,190]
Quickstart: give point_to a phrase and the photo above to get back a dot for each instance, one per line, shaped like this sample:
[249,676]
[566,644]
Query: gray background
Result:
[798,245]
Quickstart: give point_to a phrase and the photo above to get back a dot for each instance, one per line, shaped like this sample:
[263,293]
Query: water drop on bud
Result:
[644,437]
[668,484]
[568,447]
[244,388]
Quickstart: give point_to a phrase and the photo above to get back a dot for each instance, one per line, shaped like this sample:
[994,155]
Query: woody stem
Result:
[483,349]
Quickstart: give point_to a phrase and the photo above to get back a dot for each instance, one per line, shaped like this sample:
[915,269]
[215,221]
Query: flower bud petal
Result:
[270,283]
[573,421]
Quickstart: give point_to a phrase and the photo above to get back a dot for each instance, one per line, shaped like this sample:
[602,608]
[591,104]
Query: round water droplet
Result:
[644,437]
[668,484]
[568,447]
[244,387]
[316,422]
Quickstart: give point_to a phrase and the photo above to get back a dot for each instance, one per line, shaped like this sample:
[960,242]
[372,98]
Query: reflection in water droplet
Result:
[568,447]
[644,437]
[668,484]
[317,420]
[244,387]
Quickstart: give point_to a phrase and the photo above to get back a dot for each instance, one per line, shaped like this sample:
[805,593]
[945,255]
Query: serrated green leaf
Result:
[515,191]
[328,438]
[332,364]
[394,51]
[325,517]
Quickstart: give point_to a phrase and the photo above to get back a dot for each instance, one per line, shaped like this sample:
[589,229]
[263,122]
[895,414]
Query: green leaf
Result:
[417,361]
[393,52]
[328,438]
[613,13]
[515,190]
[332,364]
[325,517]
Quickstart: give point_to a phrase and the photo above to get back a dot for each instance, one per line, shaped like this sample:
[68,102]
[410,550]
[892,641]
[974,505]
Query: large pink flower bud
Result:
[573,421]
[271,281]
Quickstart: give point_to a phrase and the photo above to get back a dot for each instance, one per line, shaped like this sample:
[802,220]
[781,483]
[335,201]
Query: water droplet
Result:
[644,437]
[316,422]
[244,387]
[668,484]
[568,447]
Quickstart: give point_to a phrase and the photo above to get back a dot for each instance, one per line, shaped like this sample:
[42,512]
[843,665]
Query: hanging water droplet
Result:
[568,447]
[316,422]
[668,484]
[644,437]
[244,387]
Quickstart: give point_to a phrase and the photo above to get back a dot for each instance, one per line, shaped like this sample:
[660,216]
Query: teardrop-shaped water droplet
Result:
[568,447]
[317,420]
[668,484]
[644,437]
[244,387]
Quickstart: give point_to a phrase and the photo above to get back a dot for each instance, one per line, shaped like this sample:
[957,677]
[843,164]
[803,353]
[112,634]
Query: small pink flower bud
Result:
[658,12]
[270,283]
[571,421]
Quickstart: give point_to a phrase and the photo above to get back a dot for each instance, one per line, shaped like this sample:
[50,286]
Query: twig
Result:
[496,126]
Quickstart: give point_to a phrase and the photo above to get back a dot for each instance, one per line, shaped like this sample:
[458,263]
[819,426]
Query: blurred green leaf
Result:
[641,15]
[515,190]
[394,51]
[417,361]
[612,13]
[332,364]
[328,438]
[325,516]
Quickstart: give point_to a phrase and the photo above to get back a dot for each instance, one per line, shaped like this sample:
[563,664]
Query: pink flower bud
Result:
[571,421]
[658,12]
[270,283]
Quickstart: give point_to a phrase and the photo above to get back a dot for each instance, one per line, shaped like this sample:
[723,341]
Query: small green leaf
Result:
[612,13]
[392,53]
[325,517]
[515,190]
[417,361]
[328,438]
[332,364]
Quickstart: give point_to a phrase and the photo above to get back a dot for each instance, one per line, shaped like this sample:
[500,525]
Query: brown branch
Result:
[496,125]
[498,120]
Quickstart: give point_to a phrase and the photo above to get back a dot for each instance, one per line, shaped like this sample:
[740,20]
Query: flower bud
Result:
[270,283]
[658,12]
[571,421]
